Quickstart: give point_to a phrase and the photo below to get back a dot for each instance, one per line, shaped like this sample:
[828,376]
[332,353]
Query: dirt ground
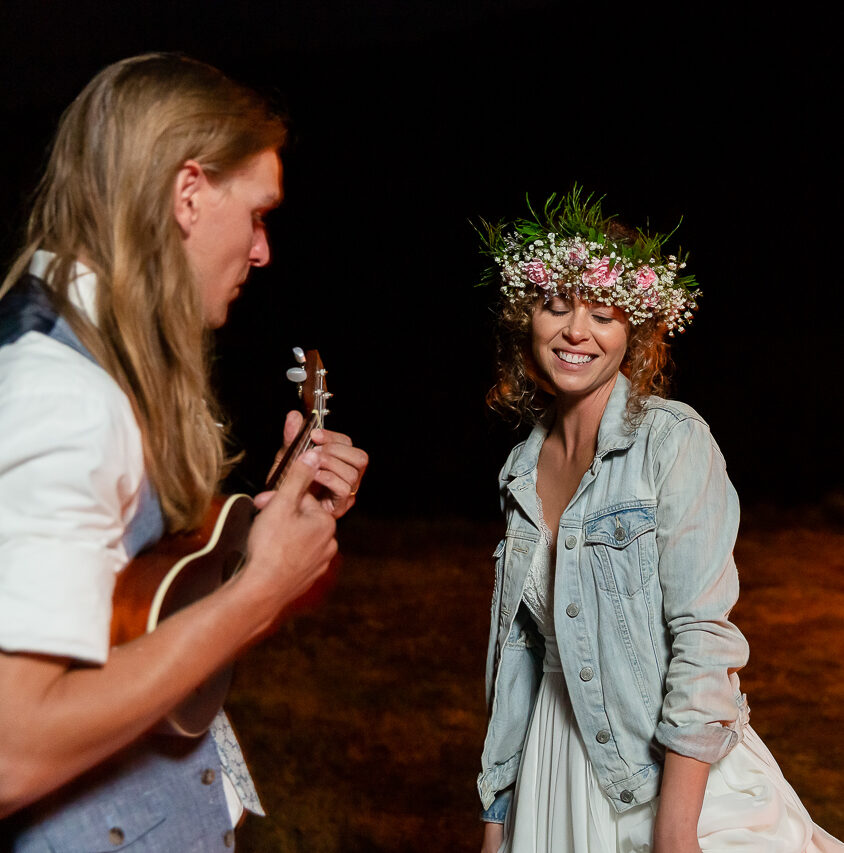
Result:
[363,718]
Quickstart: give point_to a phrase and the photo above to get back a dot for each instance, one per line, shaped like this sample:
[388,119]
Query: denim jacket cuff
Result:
[707,742]
[498,810]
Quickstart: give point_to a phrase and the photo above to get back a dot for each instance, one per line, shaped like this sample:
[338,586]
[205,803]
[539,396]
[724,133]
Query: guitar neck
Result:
[300,444]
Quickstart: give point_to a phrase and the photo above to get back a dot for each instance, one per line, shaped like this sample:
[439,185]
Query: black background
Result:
[408,119]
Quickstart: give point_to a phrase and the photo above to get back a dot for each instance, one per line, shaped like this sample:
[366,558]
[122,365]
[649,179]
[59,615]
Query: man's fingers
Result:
[292,425]
[339,488]
[299,477]
[332,465]
[327,436]
[262,499]
[343,459]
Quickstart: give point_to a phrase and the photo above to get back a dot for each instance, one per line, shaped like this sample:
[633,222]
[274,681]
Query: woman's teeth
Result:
[574,358]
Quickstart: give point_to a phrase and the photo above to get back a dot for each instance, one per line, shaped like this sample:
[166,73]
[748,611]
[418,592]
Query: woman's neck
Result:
[568,450]
[578,419]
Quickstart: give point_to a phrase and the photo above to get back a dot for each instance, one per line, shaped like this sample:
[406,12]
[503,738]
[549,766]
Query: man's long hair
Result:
[107,199]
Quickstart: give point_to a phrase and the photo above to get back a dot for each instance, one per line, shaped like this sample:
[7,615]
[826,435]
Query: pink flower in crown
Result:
[645,277]
[651,299]
[598,274]
[537,274]
[577,255]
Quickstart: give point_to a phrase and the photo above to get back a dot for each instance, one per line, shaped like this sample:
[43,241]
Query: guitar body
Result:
[180,570]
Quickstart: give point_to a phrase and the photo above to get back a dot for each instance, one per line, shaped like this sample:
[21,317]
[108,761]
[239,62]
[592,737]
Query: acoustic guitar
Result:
[183,568]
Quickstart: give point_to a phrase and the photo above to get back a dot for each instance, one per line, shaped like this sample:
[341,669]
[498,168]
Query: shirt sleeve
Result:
[71,465]
[697,523]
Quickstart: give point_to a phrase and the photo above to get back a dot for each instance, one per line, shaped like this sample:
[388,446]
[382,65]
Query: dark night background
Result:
[410,118]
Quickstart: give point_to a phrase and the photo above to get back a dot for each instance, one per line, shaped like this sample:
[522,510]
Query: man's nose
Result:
[259,256]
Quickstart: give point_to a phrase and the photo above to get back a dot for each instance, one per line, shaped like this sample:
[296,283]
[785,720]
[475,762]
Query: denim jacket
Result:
[644,584]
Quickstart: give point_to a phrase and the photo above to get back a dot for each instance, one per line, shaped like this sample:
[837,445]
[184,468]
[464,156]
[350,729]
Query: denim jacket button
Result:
[586,673]
[626,796]
[572,610]
[619,533]
[571,541]
[603,736]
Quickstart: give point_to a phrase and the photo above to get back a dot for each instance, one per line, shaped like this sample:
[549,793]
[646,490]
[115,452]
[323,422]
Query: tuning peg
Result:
[297,374]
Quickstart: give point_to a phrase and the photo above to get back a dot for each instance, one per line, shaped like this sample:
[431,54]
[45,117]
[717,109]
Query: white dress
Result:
[559,807]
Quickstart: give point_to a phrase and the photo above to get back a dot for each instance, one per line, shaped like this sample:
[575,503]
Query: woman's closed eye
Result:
[560,307]
[557,307]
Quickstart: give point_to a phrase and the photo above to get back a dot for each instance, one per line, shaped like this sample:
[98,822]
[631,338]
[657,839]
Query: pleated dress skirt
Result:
[559,806]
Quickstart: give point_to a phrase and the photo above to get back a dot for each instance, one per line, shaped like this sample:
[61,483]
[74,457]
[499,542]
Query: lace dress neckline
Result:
[538,593]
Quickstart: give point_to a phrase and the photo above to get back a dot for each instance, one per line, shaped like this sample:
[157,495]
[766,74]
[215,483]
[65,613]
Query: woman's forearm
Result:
[493,836]
[680,801]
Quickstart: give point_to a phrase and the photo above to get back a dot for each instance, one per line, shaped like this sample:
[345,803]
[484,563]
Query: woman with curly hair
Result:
[616,718]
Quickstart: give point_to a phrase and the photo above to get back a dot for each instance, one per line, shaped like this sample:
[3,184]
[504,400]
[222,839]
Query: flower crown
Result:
[568,249]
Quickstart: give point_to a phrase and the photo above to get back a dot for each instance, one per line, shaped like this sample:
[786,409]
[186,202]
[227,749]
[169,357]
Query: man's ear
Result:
[190,180]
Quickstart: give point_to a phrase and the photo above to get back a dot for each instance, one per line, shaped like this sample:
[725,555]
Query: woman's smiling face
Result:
[578,346]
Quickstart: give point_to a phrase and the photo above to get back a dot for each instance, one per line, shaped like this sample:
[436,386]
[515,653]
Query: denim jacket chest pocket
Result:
[620,544]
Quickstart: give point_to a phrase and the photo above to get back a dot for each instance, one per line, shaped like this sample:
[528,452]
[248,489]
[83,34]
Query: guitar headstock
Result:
[310,377]
[314,391]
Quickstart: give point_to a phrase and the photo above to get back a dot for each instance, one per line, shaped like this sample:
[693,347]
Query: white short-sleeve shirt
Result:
[71,470]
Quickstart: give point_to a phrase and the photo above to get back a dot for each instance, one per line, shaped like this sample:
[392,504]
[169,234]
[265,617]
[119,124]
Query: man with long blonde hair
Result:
[143,230]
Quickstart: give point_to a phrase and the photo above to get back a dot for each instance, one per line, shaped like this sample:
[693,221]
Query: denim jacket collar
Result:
[613,433]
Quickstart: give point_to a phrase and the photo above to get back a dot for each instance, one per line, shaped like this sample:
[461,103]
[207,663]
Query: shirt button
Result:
[572,610]
[626,796]
[228,838]
[207,776]
[571,541]
[603,736]
[586,673]
[116,835]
